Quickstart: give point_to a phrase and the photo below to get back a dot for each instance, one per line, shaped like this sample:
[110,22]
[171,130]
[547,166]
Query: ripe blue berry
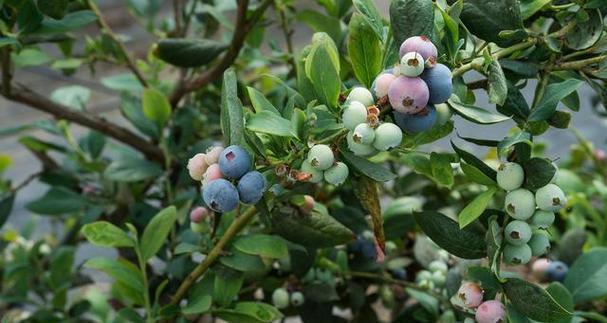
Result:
[363,134]
[317,175]
[491,312]
[542,219]
[382,84]
[359,149]
[362,95]
[517,255]
[251,187]
[411,64]
[557,271]
[234,162]
[336,174]
[439,83]
[408,94]
[539,244]
[387,135]
[510,176]
[353,115]
[280,298]
[297,299]
[399,273]
[471,294]
[321,157]
[423,46]
[220,196]
[550,198]
[416,123]
[517,232]
[520,204]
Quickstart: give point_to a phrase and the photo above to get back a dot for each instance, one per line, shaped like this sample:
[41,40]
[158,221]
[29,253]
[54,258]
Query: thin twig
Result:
[583,63]
[497,55]
[288,33]
[25,182]
[6,71]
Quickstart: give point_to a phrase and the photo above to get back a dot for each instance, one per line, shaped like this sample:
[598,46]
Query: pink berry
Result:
[491,312]
[382,84]
[408,95]
[540,268]
[213,155]
[308,205]
[198,214]
[600,154]
[423,46]
[471,294]
[211,174]
[197,166]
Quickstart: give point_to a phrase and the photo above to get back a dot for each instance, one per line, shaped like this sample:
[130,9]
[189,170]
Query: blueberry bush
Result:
[250,178]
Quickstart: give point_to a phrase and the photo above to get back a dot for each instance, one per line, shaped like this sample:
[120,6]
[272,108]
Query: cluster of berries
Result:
[526,235]
[434,277]
[367,135]
[321,164]
[217,168]
[416,85]
[281,298]
[470,296]
[547,270]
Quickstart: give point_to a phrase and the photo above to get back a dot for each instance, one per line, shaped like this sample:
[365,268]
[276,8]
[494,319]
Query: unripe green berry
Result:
[542,219]
[362,95]
[517,255]
[438,265]
[363,134]
[387,135]
[423,275]
[391,247]
[317,175]
[539,244]
[336,174]
[359,149]
[520,204]
[280,298]
[412,64]
[550,198]
[510,176]
[297,299]
[321,157]
[517,232]
[199,227]
[354,114]
[439,278]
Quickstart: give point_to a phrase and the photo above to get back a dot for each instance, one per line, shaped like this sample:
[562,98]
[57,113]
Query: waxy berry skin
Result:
[517,232]
[416,123]
[336,174]
[491,312]
[408,95]
[382,83]
[423,46]
[363,134]
[510,176]
[280,298]
[251,187]
[539,244]
[471,294]
[550,198]
[297,298]
[360,149]
[212,173]
[197,166]
[517,255]
[440,85]
[353,115]
[520,204]
[362,95]
[387,136]
[411,64]
[321,157]
[542,219]
[220,196]
[317,175]
[557,271]
[234,161]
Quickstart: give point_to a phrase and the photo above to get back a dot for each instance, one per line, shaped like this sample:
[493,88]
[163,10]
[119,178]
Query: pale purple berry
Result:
[491,312]
[197,166]
[212,155]
[540,268]
[382,84]
[198,214]
[471,294]
[408,94]
[423,46]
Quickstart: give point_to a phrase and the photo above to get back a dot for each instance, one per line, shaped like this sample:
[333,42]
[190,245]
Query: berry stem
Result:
[497,55]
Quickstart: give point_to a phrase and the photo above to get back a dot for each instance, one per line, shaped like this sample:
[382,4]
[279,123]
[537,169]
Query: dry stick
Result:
[104,25]
[234,228]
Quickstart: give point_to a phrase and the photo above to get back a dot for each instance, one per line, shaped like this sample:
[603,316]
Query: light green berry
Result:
[202,227]
[317,175]
[412,64]
[363,134]
[280,298]
[354,114]
[336,174]
[510,176]
[360,149]
[387,135]
[520,204]
[362,95]
[539,244]
[439,278]
[542,219]
[438,265]
[550,198]
[297,298]
[423,275]
[321,157]
[517,232]
[517,255]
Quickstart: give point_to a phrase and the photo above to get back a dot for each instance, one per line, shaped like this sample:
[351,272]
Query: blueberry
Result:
[416,123]
[321,157]
[440,85]
[411,64]
[212,155]
[540,268]
[517,232]
[362,95]
[399,273]
[197,166]
[212,173]
[491,312]
[520,204]
[382,84]
[234,162]
[510,176]
[336,174]
[408,94]
[423,46]
[363,134]
[297,298]
[542,219]
[317,175]
[198,214]
[557,271]
[517,255]
[220,196]
[387,136]
[539,244]
[251,187]
[353,115]
[368,250]
[471,294]
[550,198]
[360,149]
[280,298]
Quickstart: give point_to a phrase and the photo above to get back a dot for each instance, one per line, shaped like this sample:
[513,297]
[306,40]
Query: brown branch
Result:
[241,30]
[37,101]
[6,70]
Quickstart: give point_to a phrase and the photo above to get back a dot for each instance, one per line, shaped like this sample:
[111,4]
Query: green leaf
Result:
[475,162]
[411,18]
[586,277]
[490,284]
[226,285]
[445,232]
[73,96]
[515,104]
[156,106]
[243,262]
[474,113]
[70,22]
[503,148]
[534,302]
[157,231]
[8,41]
[56,201]
[61,264]
[53,8]
[262,245]
[562,296]
[476,175]
[475,208]
[120,270]
[259,101]
[530,7]
[131,169]
[189,52]
[442,172]
[30,57]
[371,14]
[197,306]
[398,216]
[322,23]
[250,312]
[498,87]
[554,93]
[322,68]
[6,206]
[126,82]
[232,118]
[271,123]
[538,172]
[364,49]
[487,18]
[369,169]
[586,33]
[130,107]
[105,234]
